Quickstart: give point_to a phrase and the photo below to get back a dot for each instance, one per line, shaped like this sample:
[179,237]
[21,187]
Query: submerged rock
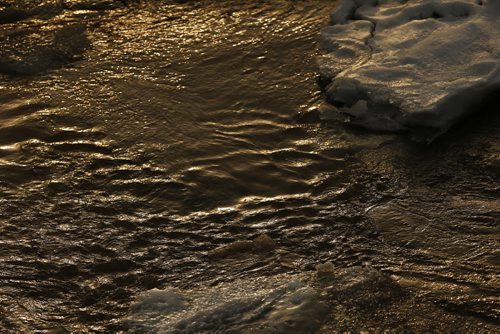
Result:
[396,65]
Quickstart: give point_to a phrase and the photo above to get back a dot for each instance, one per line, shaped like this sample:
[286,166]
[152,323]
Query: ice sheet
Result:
[419,64]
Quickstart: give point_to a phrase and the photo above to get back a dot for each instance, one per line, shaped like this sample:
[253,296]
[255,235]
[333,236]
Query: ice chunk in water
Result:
[161,301]
[396,65]
[274,305]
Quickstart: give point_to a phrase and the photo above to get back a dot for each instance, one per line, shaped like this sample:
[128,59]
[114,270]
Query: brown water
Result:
[135,139]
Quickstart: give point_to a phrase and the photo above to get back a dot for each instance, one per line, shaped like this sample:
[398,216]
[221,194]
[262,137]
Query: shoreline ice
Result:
[396,65]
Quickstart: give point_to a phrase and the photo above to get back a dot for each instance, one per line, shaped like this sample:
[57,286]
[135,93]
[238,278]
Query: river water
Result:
[143,146]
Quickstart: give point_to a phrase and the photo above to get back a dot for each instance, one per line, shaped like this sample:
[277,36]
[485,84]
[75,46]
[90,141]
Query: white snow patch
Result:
[396,65]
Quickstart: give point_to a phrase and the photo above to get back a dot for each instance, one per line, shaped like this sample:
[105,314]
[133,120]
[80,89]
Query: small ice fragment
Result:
[264,243]
[161,301]
[325,269]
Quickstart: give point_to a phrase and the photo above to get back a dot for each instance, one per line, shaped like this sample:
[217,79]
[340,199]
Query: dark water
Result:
[136,138]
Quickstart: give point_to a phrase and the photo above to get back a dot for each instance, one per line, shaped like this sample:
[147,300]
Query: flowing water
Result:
[137,139]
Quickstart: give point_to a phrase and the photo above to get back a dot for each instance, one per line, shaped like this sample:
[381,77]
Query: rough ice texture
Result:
[417,64]
[272,305]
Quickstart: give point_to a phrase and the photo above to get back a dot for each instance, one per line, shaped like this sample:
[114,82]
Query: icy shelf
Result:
[398,65]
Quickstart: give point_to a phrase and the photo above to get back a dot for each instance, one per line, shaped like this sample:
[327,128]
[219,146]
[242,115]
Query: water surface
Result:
[159,131]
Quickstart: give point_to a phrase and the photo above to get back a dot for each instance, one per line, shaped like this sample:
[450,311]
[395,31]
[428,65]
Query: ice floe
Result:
[396,65]
[281,304]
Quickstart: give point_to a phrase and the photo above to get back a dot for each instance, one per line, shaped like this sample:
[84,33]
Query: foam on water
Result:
[394,65]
